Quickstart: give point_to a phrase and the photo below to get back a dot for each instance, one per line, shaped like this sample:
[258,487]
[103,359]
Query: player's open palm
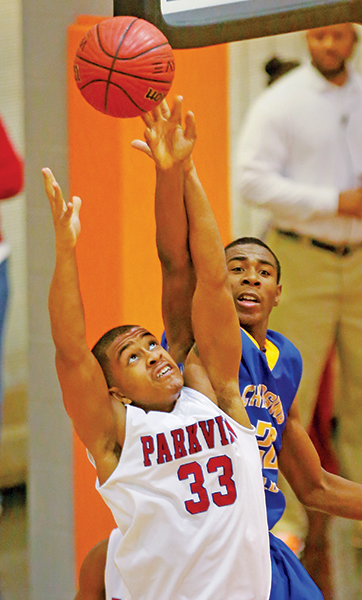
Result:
[65,215]
[167,140]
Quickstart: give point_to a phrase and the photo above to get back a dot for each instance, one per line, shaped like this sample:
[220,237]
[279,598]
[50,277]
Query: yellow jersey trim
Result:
[271,350]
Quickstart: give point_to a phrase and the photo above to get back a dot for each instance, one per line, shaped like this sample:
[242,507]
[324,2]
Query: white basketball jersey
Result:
[188,497]
[112,577]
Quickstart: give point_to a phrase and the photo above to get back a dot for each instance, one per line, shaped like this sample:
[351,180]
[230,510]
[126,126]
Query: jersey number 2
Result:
[194,469]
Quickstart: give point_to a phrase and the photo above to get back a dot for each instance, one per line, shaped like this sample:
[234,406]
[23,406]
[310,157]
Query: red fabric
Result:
[320,430]
[11,167]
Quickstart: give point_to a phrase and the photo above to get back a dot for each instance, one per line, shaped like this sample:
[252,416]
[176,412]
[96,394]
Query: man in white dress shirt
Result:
[300,157]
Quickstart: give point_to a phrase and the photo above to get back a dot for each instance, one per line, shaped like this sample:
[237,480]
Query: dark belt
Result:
[339,249]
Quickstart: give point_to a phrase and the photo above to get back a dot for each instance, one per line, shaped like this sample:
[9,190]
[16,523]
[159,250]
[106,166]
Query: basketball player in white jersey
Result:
[176,457]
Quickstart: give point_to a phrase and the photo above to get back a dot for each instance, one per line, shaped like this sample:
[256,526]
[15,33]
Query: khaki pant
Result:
[321,305]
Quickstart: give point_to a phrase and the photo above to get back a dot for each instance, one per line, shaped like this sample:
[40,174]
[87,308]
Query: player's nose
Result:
[153,356]
[250,277]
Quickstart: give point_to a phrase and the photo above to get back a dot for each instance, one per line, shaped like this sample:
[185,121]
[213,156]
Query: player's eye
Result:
[237,269]
[132,358]
[152,345]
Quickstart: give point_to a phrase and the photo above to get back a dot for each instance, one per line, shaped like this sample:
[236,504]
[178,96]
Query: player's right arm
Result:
[85,393]
[214,318]
[314,487]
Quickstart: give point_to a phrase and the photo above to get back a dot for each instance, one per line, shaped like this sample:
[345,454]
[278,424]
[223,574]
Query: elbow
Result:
[313,497]
[173,265]
[70,358]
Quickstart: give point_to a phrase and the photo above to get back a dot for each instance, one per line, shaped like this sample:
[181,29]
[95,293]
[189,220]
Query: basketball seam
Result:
[125,58]
[142,53]
[119,87]
[119,73]
[120,43]
[114,58]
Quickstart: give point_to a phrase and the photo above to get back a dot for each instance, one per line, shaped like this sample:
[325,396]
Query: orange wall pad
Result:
[119,270]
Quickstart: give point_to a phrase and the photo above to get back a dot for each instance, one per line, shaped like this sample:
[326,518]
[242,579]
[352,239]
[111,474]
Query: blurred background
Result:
[36,526]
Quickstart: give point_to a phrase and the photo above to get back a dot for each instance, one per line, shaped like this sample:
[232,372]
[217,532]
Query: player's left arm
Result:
[314,487]
[170,143]
[214,319]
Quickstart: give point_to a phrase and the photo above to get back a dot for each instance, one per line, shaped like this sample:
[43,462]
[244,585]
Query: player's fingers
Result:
[147,119]
[149,137]
[49,179]
[164,108]
[176,112]
[142,146]
[77,203]
[54,193]
[190,126]
[157,113]
[48,174]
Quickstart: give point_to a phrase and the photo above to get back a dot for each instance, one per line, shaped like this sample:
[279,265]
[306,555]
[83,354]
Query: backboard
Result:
[195,23]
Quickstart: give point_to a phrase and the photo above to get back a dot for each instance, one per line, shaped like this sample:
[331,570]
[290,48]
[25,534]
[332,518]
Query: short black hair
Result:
[101,347]
[253,240]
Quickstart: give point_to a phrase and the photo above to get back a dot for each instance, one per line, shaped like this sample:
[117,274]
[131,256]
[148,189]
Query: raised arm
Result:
[214,319]
[196,241]
[85,393]
[170,145]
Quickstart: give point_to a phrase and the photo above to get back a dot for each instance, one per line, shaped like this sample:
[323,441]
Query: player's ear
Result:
[116,394]
[278,294]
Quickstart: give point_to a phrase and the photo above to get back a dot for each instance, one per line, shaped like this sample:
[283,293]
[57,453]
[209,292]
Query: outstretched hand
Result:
[65,215]
[167,142]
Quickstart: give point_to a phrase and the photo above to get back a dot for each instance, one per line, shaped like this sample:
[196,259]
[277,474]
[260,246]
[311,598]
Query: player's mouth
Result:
[248,300]
[163,371]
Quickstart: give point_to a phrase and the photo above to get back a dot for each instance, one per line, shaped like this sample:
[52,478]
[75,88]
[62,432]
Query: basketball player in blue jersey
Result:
[176,457]
[269,375]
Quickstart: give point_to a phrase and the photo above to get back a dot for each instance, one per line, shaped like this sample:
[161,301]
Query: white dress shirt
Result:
[301,145]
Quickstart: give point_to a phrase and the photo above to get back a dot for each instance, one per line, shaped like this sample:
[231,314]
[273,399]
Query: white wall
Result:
[50,489]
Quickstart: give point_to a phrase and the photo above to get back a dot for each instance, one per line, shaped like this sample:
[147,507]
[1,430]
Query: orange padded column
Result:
[119,271]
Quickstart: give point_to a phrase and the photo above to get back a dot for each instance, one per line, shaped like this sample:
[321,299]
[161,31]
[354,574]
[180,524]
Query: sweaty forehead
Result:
[250,252]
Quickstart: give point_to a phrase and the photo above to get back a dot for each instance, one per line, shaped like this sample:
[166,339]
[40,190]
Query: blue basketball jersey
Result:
[268,381]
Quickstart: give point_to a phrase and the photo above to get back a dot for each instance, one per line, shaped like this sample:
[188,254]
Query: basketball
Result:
[124,66]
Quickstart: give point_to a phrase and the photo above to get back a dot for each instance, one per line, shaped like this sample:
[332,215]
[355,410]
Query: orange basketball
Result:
[124,66]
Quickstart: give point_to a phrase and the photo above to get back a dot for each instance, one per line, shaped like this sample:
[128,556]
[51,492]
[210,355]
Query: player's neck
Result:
[258,333]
